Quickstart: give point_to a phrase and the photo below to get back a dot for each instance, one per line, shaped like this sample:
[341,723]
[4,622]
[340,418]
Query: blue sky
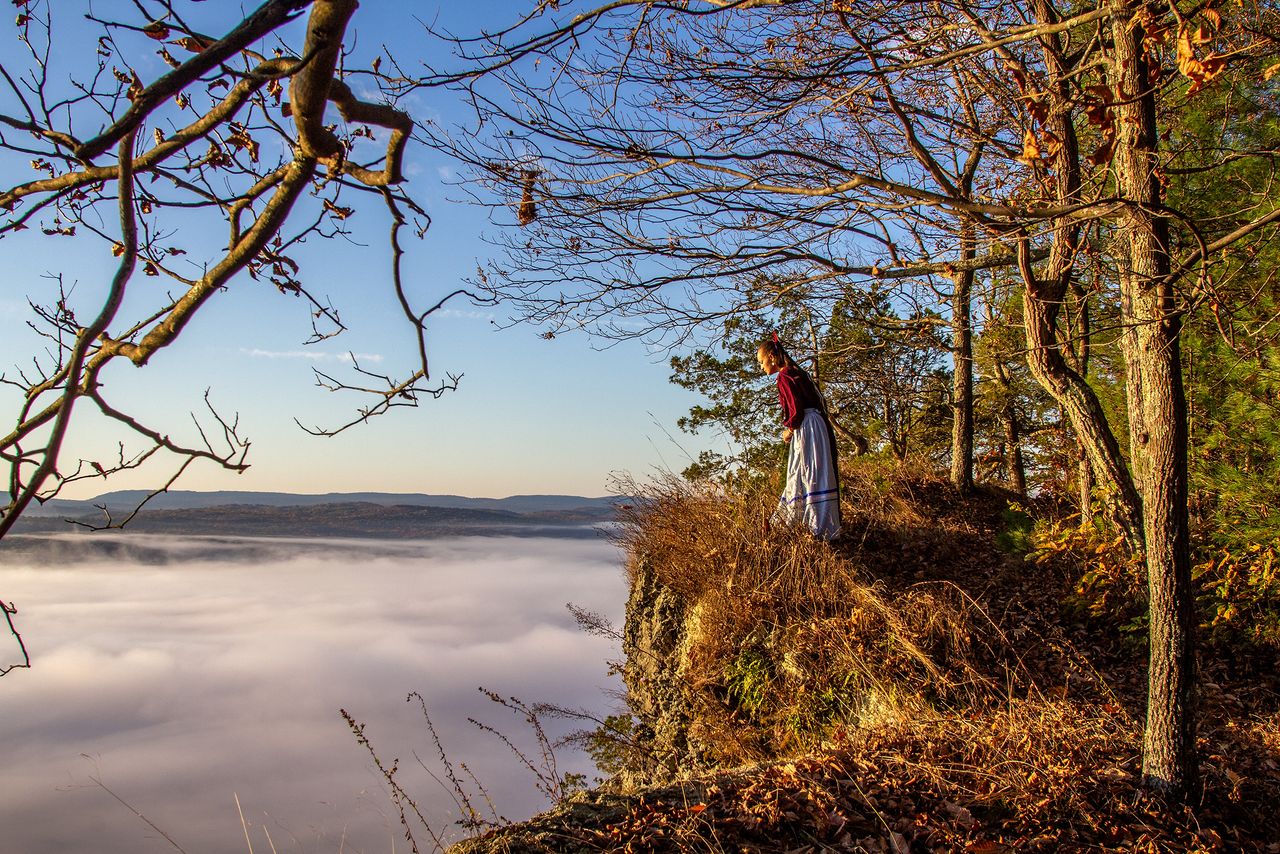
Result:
[531,415]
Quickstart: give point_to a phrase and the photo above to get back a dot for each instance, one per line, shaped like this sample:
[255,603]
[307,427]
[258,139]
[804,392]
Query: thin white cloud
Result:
[467,314]
[311,355]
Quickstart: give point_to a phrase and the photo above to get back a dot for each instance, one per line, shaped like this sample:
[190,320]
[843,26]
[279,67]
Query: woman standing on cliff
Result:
[812,492]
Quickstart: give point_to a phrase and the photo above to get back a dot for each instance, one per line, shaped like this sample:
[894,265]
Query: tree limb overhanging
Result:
[263,147]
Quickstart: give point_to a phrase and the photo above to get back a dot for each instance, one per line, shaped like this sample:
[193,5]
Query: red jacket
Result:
[796,393]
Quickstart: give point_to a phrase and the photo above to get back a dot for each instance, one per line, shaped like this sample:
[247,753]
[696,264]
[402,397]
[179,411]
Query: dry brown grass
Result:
[792,638]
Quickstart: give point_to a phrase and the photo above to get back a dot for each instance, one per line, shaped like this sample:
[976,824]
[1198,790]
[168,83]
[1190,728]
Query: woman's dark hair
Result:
[779,354]
[774,348]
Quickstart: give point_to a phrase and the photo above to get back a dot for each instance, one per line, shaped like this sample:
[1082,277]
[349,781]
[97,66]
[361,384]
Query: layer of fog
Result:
[182,684]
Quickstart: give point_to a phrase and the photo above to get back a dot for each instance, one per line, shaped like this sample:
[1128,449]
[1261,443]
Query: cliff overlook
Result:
[950,676]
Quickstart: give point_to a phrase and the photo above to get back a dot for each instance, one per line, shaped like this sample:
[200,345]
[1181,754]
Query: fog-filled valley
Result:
[185,673]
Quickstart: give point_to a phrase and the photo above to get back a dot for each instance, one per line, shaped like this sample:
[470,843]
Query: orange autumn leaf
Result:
[156,30]
[239,138]
[527,211]
[337,210]
[1030,147]
[1102,154]
[195,44]
[135,88]
[1198,71]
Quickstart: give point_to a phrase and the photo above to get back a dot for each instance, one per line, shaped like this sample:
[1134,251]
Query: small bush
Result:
[611,744]
[1112,581]
[1238,584]
[1240,594]
[748,679]
[1016,535]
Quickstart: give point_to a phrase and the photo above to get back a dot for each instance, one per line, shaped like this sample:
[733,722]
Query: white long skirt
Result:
[811,496]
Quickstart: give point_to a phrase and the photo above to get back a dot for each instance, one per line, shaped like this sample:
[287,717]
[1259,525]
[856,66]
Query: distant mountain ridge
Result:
[276,514]
[127,499]
[348,519]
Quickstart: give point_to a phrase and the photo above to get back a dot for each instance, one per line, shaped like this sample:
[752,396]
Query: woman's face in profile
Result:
[766,362]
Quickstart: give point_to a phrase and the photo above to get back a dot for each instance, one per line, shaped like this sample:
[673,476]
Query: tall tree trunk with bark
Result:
[1015,469]
[1078,357]
[1084,483]
[1041,299]
[962,358]
[1159,413]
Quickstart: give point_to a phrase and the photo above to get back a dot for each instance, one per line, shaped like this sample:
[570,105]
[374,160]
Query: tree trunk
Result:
[1168,760]
[1084,483]
[1041,301]
[1158,411]
[1015,470]
[1078,357]
[962,359]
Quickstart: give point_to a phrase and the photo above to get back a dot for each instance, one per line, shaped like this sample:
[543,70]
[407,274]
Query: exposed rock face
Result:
[659,626]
